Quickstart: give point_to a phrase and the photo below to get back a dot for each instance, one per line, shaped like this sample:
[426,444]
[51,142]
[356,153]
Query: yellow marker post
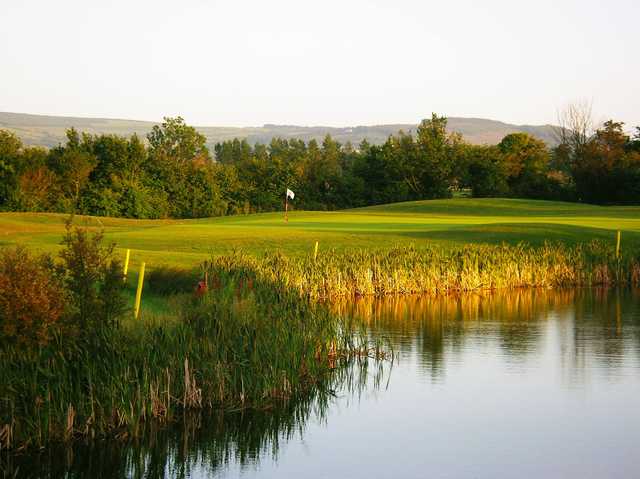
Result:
[618,245]
[136,310]
[126,265]
[315,252]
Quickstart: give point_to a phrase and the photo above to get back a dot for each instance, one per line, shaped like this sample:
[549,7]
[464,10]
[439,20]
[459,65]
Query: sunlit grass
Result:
[443,223]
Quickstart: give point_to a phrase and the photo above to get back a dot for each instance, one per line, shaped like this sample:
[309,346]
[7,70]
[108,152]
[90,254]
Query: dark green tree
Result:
[526,160]
[10,150]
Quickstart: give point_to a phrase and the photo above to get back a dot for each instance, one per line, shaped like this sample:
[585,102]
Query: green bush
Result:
[75,298]
[93,279]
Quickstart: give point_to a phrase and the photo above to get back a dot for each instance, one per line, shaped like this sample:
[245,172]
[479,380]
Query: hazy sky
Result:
[324,62]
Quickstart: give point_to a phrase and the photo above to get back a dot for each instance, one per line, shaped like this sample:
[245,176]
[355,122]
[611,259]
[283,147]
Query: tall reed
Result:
[245,345]
[433,270]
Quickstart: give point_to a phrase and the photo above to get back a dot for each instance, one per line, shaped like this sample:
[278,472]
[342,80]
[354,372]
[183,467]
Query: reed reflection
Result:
[201,444]
[579,326]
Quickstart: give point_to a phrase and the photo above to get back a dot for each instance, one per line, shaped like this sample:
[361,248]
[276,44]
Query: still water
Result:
[522,384]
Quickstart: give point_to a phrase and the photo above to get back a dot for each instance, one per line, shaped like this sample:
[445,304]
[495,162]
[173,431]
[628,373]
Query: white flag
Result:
[290,194]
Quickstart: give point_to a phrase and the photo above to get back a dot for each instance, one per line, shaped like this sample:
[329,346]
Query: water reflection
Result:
[497,385]
[200,444]
[203,443]
[588,325]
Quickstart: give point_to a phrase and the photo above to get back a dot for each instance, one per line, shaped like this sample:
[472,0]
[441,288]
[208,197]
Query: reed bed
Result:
[437,271]
[244,346]
[199,439]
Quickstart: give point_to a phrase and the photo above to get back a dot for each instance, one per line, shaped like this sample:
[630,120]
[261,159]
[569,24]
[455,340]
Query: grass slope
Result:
[441,222]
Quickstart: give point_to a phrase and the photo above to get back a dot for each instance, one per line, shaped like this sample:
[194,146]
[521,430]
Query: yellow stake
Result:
[136,310]
[126,264]
[315,252]
[618,245]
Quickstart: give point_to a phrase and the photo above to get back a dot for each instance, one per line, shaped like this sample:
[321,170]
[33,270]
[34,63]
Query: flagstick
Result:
[286,207]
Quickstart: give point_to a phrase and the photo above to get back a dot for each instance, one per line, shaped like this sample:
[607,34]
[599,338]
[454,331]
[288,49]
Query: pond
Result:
[519,384]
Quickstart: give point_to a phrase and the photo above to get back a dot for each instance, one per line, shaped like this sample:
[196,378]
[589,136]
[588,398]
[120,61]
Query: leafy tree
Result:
[10,149]
[633,144]
[177,152]
[176,141]
[36,188]
[526,161]
[606,171]
[486,172]
[437,153]
[72,166]
[174,176]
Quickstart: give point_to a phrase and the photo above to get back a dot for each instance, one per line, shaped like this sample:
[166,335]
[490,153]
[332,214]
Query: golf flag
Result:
[289,194]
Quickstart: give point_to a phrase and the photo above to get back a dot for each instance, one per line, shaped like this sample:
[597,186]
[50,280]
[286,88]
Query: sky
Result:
[327,62]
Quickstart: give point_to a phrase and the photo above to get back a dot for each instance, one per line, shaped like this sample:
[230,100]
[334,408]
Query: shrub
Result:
[93,279]
[32,300]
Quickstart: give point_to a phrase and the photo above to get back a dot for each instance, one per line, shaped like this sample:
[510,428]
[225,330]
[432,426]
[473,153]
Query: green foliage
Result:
[607,168]
[175,176]
[437,153]
[485,172]
[78,298]
[10,149]
[94,281]
[527,162]
[140,201]
[176,141]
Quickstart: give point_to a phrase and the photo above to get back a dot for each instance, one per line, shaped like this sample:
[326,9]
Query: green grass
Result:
[440,222]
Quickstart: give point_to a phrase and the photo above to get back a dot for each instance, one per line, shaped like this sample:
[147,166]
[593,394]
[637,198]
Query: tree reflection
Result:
[588,325]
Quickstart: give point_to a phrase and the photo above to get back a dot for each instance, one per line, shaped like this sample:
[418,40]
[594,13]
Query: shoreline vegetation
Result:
[438,271]
[75,364]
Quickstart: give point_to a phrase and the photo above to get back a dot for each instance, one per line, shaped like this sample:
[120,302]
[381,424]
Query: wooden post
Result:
[315,252]
[618,245]
[136,310]
[126,265]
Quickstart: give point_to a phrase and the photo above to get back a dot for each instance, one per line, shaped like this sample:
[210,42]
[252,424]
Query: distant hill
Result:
[41,130]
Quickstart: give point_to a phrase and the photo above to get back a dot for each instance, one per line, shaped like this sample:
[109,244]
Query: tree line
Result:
[172,174]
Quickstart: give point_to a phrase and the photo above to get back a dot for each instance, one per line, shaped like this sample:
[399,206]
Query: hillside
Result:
[48,131]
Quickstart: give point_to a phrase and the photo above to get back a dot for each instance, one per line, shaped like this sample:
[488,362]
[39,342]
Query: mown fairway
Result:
[444,222]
